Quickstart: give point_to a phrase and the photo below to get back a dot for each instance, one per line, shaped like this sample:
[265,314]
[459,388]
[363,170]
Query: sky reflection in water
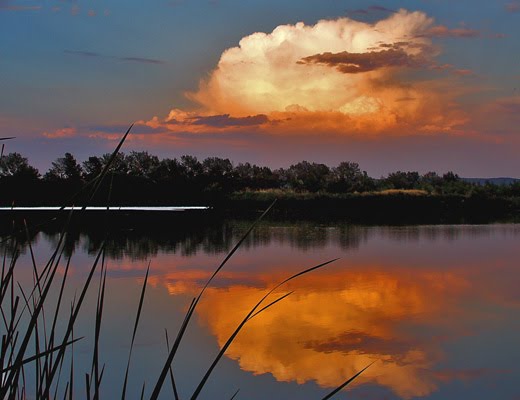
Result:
[436,306]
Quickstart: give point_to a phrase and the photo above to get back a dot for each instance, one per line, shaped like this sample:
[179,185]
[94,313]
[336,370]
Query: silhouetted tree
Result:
[218,174]
[169,170]
[431,182]
[450,177]
[255,177]
[141,163]
[15,165]
[64,168]
[307,176]
[92,167]
[192,167]
[119,166]
[403,180]
[347,177]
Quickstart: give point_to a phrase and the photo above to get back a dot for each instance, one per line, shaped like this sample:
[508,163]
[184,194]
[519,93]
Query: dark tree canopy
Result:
[141,163]
[348,177]
[140,176]
[92,167]
[15,165]
[403,180]
[307,176]
[65,167]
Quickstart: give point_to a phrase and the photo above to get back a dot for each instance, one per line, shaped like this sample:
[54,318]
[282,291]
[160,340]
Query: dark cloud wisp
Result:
[370,10]
[352,63]
[225,120]
[140,60]
[442,31]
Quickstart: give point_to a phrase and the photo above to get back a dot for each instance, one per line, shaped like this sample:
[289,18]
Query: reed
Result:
[29,316]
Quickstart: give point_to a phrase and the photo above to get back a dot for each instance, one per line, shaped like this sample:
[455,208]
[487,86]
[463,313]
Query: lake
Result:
[436,308]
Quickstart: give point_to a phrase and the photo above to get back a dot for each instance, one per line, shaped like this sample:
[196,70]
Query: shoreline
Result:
[361,209]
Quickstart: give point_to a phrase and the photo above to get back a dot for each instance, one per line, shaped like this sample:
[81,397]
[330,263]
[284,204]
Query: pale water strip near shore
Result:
[172,208]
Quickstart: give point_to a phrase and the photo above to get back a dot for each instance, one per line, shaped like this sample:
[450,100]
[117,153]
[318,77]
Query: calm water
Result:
[436,306]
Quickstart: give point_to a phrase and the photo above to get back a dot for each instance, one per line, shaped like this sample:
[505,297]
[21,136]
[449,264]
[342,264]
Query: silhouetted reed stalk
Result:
[24,317]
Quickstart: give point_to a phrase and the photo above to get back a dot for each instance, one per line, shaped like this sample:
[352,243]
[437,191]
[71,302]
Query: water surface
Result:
[435,306]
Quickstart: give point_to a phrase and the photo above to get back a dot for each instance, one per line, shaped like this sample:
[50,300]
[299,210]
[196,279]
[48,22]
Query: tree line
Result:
[213,175]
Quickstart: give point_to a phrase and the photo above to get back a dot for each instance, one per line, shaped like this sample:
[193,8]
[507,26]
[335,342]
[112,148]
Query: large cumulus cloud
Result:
[337,77]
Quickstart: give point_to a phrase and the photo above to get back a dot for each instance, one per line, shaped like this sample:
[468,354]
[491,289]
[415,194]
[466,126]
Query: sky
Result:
[425,85]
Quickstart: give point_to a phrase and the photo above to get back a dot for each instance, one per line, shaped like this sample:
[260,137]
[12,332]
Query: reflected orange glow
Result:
[334,324]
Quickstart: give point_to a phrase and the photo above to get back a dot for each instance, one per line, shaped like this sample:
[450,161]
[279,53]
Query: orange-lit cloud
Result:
[7,5]
[60,133]
[340,77]
[444,31]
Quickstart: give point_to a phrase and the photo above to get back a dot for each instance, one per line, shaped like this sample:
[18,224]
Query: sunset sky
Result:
[393,85]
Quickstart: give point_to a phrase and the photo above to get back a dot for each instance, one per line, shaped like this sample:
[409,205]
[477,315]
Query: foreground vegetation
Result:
[38,322]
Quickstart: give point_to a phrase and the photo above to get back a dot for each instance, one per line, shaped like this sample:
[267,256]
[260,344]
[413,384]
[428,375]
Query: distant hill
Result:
[495,181]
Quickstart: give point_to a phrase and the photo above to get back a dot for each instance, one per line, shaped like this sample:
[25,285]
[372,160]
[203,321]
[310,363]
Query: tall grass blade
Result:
[99,316]
[66,391]
[58,304]
[136,324]
[13,375]
[39,355]
[246,319]
[71,378]
[87,385]
[172,379]
[98,179]
[72,320]
[142,391]
[269,305]
[347,382]
[182,330]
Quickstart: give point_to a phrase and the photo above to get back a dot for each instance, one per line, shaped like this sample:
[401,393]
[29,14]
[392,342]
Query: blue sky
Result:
[99,65]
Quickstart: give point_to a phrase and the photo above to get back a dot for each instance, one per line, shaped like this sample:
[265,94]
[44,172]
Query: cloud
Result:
[226,120]
[441,31]
[510,105]
[336,77]
[361,342]
[380,8]
[118,129]
[513,7]
[462,72]
[264,75]
[61,133]
[8,6]
[370,10]
[183,121]
[468,374]
[353,63]
[501,116]
[140,60]
[109,132]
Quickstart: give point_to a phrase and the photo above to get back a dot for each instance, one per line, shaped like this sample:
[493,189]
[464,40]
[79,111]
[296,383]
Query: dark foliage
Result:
[140,178]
